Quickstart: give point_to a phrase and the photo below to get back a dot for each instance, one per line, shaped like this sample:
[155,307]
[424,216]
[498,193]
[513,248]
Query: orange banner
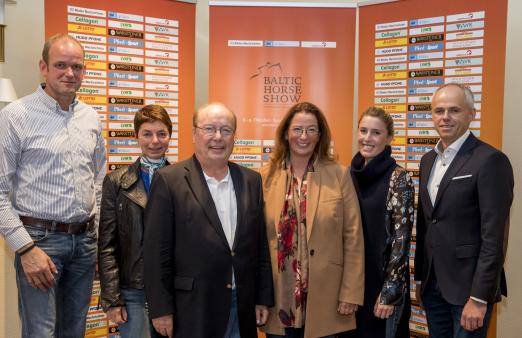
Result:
[410,48]
[135,55]
[263,60]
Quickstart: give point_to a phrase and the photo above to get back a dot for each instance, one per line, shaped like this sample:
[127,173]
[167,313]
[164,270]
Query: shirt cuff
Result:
[18,238]
[478,300]
[418,282]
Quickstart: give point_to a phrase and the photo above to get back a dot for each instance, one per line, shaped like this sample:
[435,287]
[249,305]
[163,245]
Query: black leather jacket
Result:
[120,257]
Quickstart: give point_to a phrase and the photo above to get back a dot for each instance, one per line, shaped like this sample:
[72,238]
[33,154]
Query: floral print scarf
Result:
[292,252]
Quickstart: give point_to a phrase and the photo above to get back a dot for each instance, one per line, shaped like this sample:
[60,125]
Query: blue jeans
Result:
[61,310]
[444,318]
[233,320]
[138,324]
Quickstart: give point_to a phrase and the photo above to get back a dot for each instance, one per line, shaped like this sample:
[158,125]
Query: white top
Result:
[442,163]
[224,197]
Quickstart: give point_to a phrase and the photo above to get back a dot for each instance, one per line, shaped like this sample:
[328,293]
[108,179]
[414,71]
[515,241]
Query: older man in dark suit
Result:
[207,264]
[465,194]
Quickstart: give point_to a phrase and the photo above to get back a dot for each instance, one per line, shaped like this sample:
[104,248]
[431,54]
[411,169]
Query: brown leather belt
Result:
[70,228]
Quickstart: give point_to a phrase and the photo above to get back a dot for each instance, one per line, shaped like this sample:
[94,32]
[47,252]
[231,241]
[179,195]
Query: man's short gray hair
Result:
[468,94]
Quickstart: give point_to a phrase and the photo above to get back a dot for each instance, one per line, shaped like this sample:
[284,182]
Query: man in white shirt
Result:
[207,264]
[465,194]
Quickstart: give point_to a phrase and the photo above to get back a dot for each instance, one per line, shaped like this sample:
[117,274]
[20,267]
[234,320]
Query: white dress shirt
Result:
[224,197]
[442,163]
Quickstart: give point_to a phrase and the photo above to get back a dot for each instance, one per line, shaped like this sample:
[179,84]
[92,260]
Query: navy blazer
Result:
[463,235]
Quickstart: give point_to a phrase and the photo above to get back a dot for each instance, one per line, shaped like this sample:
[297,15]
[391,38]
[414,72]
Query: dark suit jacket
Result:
[188,262]
[464,234]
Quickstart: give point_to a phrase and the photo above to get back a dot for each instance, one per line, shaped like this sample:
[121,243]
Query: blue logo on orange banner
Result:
[125,42]
[419,116]
[129,142]
[418,149]
[426,47]
[122,109]
[426,82]
[413,157]
[126,76]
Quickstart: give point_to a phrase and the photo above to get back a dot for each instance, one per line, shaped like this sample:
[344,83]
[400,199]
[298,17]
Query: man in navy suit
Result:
[465,194]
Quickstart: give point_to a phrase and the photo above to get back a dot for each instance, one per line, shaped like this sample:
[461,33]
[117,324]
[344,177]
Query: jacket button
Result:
[312,252]
[229,286]
[232,253]
[433,221]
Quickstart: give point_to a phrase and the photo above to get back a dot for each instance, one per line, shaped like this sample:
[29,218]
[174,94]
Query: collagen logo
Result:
[277,87]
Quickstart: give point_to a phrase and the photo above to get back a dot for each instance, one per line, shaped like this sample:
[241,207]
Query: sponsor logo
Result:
[424,56]
[427,38]
[422,140]
[425,82]
[390,68]
[398,83]
[121,133]
[391,25]
[392,50]
[391,34]
[125,100]
[114,166]
[427,21]
[419,107]
[426,48]
[127,68]
[426,73]
[125,42]
[125,34]
[419,116]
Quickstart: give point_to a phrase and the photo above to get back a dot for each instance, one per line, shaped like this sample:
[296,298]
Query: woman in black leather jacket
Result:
[124,198]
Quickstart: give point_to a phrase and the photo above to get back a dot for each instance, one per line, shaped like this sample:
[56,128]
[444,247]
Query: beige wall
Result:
[25,37]
[23,44]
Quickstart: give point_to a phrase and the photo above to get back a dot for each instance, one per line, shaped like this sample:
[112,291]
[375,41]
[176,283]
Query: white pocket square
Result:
[461,177]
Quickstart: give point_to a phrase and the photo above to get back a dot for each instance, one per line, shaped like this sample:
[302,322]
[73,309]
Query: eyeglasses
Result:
[212,130]
[311,131]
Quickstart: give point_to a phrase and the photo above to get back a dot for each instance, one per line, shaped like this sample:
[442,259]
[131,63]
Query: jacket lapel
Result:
[198,186]
[241,196]
[132,186]
[425,176]
[312,198]
[461,157]
[279,195]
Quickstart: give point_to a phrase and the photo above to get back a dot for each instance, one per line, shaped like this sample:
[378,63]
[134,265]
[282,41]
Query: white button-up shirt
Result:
[224,197]
[52,163]
[442,163]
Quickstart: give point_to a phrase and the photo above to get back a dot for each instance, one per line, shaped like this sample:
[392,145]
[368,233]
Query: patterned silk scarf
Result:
[148,168]
[292,252]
